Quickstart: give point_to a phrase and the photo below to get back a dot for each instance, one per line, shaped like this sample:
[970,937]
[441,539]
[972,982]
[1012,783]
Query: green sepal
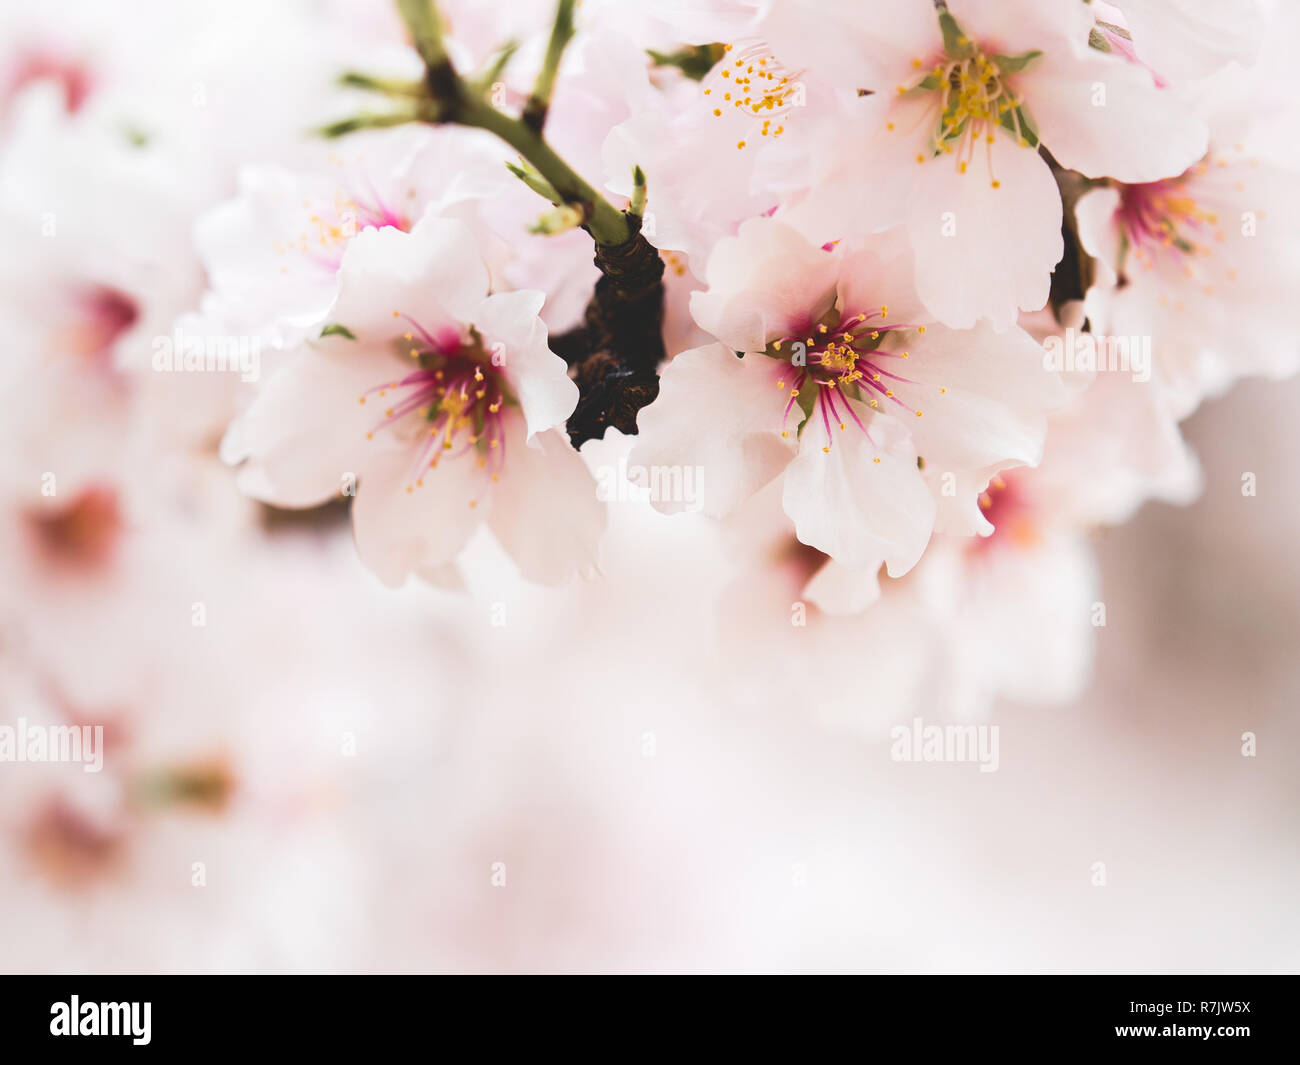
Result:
[1014,64]
[955,43]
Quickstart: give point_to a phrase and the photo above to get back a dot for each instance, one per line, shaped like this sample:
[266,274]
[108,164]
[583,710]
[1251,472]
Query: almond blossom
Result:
[273,253]
[847,387]
[1179,40]
[1204,264]
[441,401]
[959,102]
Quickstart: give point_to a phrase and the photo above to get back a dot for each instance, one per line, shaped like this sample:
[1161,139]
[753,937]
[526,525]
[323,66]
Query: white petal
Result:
[305,430]
[766,282]
[837,589]
[1182,39]
[854,508]
[720,416]
[544,510]
[400,532]
[516,335]
[983,396]
[881,275]
[1095,214]
[1104,117]
[434,274]
[983,251]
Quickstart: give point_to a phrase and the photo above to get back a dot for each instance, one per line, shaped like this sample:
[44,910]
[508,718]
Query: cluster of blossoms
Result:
[711,333]
[864,213]
[920,293]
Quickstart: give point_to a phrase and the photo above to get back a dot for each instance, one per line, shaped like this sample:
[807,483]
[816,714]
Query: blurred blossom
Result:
[347,625]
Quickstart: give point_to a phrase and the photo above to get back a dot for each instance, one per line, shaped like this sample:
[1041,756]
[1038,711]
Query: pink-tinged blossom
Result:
[1181,40]
[948,142]
[847,387]
[273,253]
[1204,266]
[443,405]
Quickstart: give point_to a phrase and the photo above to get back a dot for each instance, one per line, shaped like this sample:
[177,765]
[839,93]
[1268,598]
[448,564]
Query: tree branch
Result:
[616,353]
[534,116]
[605,222]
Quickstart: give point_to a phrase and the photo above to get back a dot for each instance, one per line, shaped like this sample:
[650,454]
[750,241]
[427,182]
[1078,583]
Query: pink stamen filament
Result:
[459,396]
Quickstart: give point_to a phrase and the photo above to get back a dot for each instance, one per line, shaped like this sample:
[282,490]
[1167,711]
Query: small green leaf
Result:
[531,177]
[1097,40]
[337,330]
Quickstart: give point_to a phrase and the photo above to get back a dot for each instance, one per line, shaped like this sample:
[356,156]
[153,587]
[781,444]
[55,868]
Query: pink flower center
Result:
[82,534]
[452,403]
[73,77]
[1173,226]
[1161,214]
[842,361]
[99,319]
[334,225]
[69,848]
[1008,509]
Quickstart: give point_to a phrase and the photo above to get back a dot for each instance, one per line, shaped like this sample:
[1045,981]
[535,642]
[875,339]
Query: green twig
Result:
[534,116]
[601,219]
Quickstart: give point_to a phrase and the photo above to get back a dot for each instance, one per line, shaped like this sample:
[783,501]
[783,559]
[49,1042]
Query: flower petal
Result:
[721,415]
[434,274]
[1104,117]
[983,397]
[854,508]
[400,532]
[305,429]
[766,282]
[837,589]
[516,336]
[545,511]
[983,251]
